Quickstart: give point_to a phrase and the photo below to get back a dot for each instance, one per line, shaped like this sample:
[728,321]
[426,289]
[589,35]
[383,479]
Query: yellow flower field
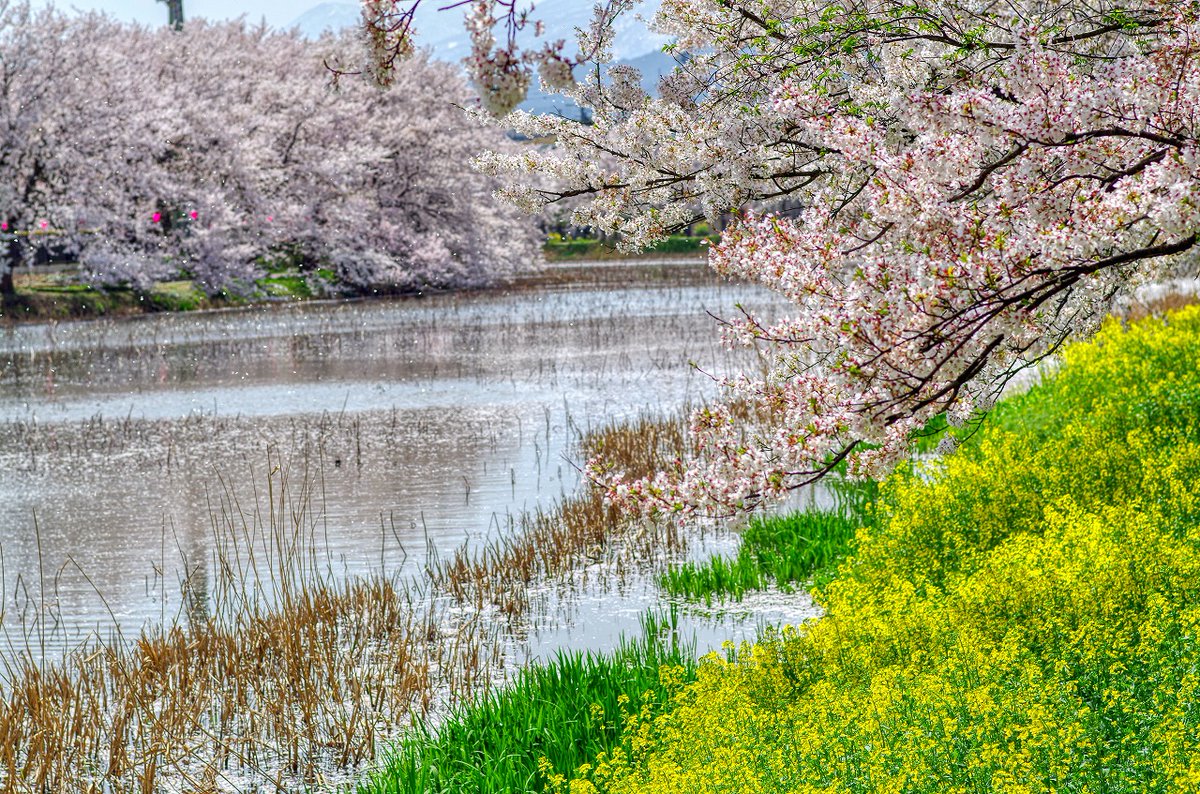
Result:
[1022,618]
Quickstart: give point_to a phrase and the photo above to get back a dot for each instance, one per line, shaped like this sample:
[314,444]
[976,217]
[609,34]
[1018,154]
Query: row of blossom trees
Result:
[978,182]
[147,153]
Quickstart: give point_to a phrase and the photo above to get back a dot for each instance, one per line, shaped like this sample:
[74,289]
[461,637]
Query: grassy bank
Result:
[57,293]
[1022,616]
[559,249]
[800,549]
[51,296]
[561,714]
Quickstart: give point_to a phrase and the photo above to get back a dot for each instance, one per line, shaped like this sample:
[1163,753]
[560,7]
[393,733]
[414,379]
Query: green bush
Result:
[677,244]
[289,286]
[174,296]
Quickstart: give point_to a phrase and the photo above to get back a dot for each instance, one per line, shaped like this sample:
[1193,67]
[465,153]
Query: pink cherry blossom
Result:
[941,209]
[234,123]
[500,67]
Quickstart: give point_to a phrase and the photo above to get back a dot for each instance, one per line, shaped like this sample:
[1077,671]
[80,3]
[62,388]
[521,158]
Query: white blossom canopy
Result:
[945,192]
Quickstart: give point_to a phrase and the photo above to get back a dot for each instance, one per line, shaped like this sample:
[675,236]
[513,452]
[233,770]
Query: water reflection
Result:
[418,424]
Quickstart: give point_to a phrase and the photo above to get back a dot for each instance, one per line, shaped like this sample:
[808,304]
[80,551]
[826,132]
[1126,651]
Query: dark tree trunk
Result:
[10,257]
[174,13]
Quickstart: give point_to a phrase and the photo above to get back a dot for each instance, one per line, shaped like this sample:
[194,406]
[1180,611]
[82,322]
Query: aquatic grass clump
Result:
[1023,615]
[280,675]
[558,715]
[717,578]
[578,531]
[276,672]
[784,551]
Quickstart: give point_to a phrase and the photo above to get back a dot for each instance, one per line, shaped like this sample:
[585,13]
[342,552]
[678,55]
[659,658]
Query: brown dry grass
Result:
[275,687]
[580,530]
[284,690]
[1159,306]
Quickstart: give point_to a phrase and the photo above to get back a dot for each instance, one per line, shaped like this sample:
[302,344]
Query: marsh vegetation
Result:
[378,519]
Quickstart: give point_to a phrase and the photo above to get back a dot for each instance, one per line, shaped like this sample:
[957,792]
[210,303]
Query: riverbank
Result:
[55,293]
[1019,616]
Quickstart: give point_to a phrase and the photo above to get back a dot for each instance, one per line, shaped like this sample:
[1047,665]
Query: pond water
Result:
[412,425]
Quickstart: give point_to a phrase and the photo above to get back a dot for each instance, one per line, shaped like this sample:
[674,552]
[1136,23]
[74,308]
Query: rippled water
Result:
[418,424]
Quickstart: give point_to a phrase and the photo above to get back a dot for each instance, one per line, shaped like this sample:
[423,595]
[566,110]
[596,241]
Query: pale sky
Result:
[632,37]
[150,12]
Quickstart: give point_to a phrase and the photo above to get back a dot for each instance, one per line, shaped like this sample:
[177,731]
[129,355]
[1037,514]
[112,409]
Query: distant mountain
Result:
[633,38]
[653,65]
[327,18]
[442,32]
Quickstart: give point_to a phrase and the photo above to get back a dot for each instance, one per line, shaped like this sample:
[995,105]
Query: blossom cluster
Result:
[943,204]
[501,70]
[212,149]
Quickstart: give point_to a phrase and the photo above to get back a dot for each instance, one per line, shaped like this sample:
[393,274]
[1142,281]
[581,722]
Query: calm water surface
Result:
[415,426]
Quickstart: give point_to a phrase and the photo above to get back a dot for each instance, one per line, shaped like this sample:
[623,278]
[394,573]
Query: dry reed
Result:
[578,531]
[279,676]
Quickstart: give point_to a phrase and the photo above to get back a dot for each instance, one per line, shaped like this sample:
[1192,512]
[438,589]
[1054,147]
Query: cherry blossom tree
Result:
[397,208]
[214,151]
[29,132]
[975,185]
